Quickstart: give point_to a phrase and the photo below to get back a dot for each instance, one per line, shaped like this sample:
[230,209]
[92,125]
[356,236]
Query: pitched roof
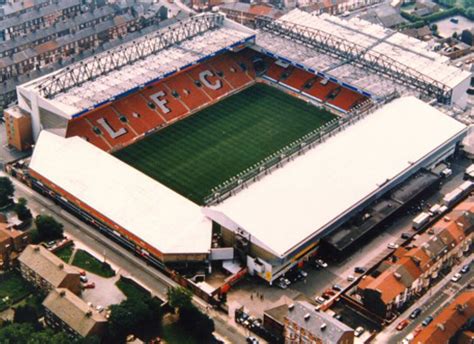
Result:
[46,264]
[73,311]
[330,333]
[445,325]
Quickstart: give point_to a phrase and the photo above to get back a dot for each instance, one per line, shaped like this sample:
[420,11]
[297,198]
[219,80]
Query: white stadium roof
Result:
[294,202]
[405,49]
[72,96]
[157,215]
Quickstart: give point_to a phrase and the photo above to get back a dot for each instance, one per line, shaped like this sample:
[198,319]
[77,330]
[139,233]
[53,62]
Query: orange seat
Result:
[320,91]
[233,73]
[346,99]
[188,92]
[177,109]
[298,78]
[80,127]
[212,78]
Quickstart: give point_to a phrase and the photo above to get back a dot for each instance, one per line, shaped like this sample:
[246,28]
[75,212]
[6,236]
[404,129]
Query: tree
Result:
[132,316]
[469,13]
[179,297]
[6,191]
[16,333]
[48,228]
[22,210]
[466,37]
[26,315]
[199,324]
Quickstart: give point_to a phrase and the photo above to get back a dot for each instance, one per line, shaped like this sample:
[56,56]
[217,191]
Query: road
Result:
[431,304]
[128,263]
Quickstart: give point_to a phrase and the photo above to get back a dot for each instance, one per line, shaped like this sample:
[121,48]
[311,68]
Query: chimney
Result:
[89,313]
[36,249]
[291,306]
[61,266]
[397,275]
[62,293]
[307,316]
[440,326]
[323,326]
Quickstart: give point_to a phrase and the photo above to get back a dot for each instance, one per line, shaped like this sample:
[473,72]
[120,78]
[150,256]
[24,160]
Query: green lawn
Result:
[65,253]
[13,286]
[196,154]
[130,289]
[86,261]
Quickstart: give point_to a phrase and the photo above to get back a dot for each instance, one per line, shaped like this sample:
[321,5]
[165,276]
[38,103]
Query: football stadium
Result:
[209,142]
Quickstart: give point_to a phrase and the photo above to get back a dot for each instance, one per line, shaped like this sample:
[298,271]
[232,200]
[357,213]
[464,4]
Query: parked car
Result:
[350,278]
[90,285]
[320,299]
[303,273]
[321,263]
[99,308]
[456,277]
[337,287]
[252,340]
[465,269]
[359,270]
[330,292]
[427,320]
[83,278]
[281,284]
[406,236]
[392,246]
[402,324]
[358,331]
[416,312]
[337,316]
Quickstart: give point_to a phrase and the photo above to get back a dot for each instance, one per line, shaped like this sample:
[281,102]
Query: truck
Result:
[422,219]
[454,196]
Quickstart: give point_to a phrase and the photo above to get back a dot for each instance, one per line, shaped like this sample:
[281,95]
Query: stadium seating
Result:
[231,70]
[346,99]
[297,78]
[123,121]
[210,83]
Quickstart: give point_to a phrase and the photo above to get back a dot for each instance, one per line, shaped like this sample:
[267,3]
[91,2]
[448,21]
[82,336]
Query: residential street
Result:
[431,304]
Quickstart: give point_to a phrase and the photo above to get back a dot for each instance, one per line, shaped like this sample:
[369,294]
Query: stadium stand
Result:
[123,121]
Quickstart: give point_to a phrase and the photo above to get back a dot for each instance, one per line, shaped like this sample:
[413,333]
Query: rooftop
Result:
[338,174]
[170,56]
[449,321]
[320,324]
[73,311]
[130,199]
[46,264]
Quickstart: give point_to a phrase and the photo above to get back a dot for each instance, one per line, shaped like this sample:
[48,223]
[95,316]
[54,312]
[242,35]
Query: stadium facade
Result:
[276,220]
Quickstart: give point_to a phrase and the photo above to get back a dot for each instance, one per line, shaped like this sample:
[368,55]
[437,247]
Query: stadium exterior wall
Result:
[305,249]
[108,227]
[459,95]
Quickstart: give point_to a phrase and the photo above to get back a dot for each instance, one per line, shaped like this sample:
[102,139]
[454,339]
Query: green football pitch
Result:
[202,151]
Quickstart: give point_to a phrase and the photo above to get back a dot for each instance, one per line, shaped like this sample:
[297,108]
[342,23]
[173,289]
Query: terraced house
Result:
[414,268]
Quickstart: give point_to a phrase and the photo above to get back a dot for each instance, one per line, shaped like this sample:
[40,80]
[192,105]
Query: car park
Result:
[465,269]
[427,320]
[359,331]
[402,324]
[359,270]
[456,277]
[416,312]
